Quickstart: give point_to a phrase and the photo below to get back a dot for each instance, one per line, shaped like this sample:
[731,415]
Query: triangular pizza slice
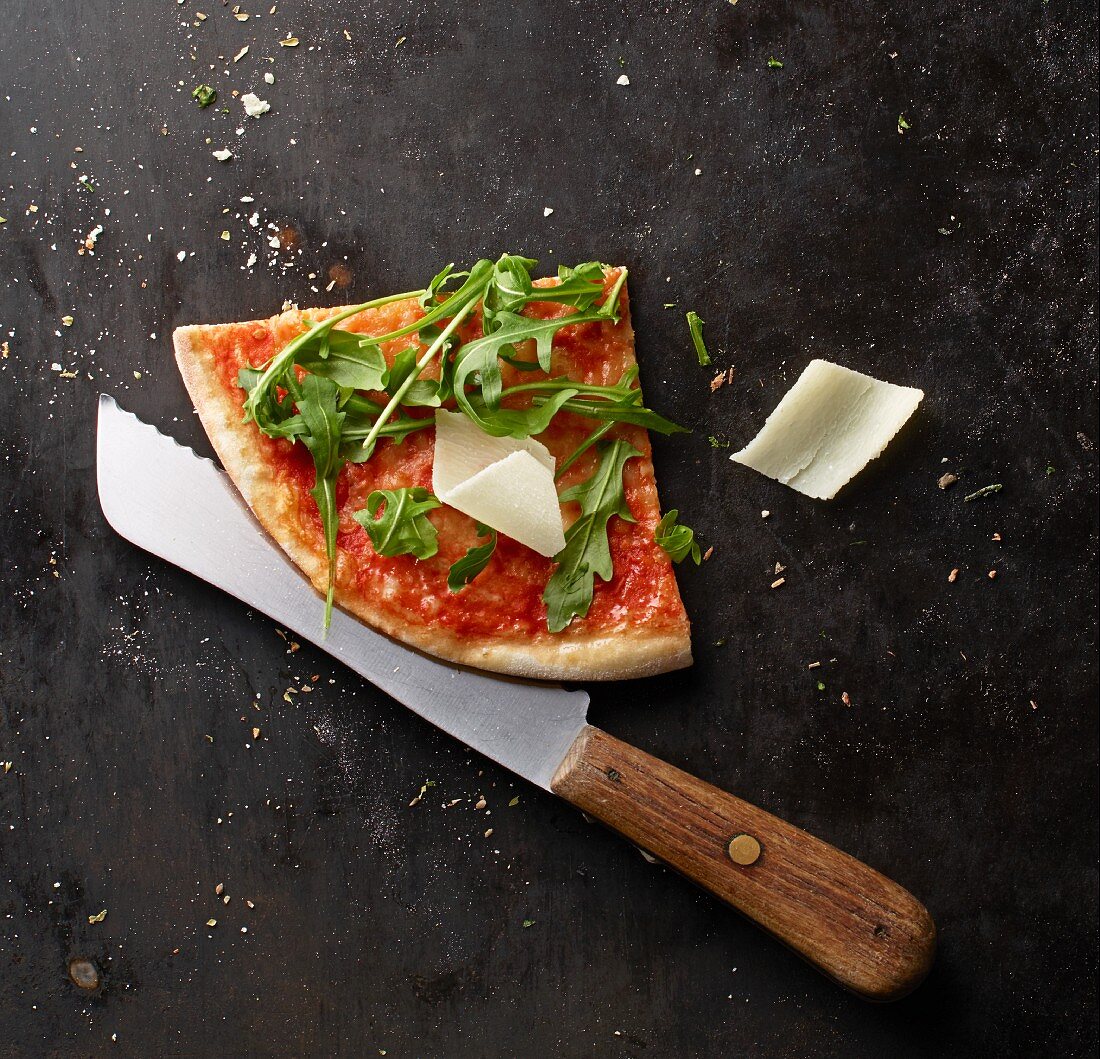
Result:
[405,581]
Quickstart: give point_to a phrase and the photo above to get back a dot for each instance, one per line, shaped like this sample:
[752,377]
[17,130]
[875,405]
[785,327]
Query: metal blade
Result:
[165,499]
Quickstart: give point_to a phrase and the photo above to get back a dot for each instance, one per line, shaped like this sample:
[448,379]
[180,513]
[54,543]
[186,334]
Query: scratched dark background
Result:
[958,255]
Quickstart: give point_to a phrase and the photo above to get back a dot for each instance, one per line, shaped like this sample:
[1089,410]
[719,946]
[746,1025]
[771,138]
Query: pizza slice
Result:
[326,422]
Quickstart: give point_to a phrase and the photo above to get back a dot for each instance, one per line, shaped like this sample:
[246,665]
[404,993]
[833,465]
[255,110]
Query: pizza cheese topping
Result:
[338,394]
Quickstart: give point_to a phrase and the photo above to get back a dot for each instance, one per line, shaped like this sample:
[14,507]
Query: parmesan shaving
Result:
[827,428]
[505,483]
[516,496]
[462,449]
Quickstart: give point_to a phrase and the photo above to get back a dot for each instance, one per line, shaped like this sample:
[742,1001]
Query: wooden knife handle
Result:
[855,925]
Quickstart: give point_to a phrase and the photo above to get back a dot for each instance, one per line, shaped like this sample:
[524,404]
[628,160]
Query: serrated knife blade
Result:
[164,498]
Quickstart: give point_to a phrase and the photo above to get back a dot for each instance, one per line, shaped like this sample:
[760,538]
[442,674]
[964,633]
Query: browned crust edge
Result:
[617,656]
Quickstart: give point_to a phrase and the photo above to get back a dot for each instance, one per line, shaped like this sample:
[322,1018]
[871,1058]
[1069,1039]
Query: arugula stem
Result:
[595,409]
[592,438]
[392,430]
[375,304]
[552,385]
[582,448]
[421,364]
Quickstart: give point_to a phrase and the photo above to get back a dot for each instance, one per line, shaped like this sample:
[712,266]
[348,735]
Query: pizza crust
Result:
[577,655]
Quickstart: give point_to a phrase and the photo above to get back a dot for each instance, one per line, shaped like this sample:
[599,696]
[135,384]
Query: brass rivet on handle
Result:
[744,850]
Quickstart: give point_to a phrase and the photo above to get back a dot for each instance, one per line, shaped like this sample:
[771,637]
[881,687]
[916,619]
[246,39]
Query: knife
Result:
[855,925]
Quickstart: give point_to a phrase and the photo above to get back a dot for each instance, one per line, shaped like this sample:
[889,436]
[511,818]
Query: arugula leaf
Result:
[472,288]
[422,392]
[404,527]
[428,337]
[519,363]
[438,286]
[464,570]
[481,356]
[517,422]
[317,405]
[695,326]
[575,280]
[282,420]
[348,359]
[511,287]
[678,540]
[620,403]
[587,553]
[508,288]
[512,328]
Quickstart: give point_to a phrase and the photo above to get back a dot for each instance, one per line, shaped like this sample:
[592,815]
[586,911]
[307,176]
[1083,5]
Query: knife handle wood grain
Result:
[858,927]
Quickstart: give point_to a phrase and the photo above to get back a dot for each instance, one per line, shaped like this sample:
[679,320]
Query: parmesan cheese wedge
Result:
[504,483]
[827,428]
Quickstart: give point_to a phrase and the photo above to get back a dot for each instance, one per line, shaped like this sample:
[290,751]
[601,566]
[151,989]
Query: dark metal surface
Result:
[965,763]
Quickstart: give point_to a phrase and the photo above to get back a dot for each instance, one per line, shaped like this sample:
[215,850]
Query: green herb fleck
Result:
[528,923]
[464,570]
[1050,469]
[86,184]
[204,95]
[774,64]
[695,326]
[678,541]
[903,125]
[514,802]
[717,443]
[820,686]
[403,527]
[986,490]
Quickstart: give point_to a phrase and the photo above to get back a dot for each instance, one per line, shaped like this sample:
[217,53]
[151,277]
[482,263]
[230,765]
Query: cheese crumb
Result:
[253,105]
[623,80]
